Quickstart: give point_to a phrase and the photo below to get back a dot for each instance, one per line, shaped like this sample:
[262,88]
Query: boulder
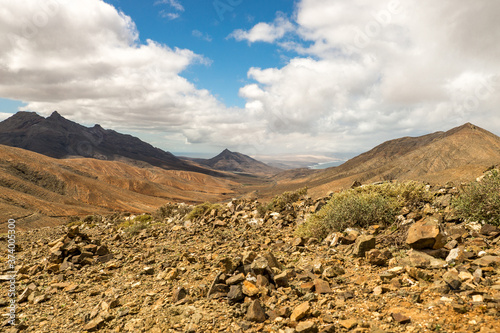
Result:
[363,244]
[426,234]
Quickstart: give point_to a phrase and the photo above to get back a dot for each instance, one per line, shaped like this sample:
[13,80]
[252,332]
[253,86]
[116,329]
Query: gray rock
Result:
[452,279]
[235,294]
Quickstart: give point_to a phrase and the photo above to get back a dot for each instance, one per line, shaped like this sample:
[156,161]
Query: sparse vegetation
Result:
[144,218]
[364,206]
[74,221]
[280,202]
[202,209]
[93,219]
[134,226]
[170,210]
[480,201]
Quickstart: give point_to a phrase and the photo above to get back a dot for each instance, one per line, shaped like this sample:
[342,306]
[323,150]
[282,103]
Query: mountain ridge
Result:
[58,137]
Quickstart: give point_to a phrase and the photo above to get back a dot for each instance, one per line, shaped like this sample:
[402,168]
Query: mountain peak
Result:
[55,115]
[20,120]
[238,162]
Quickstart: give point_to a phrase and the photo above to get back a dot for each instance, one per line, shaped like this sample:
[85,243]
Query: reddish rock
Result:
[425,234]
[322,286]
[255,312]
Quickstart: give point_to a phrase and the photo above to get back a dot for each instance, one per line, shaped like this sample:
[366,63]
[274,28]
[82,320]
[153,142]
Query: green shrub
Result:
[136,228]
[280,202]
[170,210]
[364,206]
[143,218]
[202,209]
[92,219]
[164,211]
[480,201]
[132,226]
[350,209]
[74,221]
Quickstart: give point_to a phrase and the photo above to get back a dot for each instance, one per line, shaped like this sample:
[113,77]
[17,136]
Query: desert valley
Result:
[115,235]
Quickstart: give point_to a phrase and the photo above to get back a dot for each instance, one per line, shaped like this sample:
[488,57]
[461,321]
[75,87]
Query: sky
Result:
[314,77]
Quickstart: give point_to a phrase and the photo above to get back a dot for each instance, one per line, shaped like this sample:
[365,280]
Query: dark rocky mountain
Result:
[237,162]
[58,137]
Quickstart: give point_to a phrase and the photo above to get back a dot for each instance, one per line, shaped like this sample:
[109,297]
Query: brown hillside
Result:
[458,155]
[37,190]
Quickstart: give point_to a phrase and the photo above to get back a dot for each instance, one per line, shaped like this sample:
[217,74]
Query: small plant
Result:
[282,201]
[201,210]
[164,211]
[350,209]
[92,218]
[170,210]
[143,218]
[364,206]
[136,228]
[480,200]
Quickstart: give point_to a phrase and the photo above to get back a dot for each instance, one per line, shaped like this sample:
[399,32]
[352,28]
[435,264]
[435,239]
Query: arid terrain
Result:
[236,268]
[41,190]
[106,243]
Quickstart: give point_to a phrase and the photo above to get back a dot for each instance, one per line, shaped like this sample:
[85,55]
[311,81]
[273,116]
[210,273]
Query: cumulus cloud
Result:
[362,72]
[84,58]
[373,70]
[265,32]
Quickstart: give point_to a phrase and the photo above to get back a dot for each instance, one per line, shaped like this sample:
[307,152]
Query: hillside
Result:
[237,162]
[458,155]
[58,137]
[233,269]
[38,190]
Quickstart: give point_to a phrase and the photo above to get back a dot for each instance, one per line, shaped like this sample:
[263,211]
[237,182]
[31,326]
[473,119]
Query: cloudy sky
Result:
[259,77]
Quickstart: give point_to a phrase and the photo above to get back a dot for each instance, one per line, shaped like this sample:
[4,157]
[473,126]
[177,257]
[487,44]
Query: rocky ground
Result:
[235,270]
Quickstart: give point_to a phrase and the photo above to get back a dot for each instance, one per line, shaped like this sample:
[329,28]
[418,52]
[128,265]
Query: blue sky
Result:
[204,27]
[283,77]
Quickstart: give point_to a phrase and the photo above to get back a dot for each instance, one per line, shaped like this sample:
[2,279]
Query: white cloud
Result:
[367,71]
[168,15]
[86,61]
[264,32]
[172,3]
[374,70]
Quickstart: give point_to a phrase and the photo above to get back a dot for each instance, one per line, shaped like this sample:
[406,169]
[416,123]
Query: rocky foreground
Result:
[236,269]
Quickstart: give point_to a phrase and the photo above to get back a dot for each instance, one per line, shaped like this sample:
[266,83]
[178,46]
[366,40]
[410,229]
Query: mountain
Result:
[237,162]
[58,137]
[37,190]
[458,155]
